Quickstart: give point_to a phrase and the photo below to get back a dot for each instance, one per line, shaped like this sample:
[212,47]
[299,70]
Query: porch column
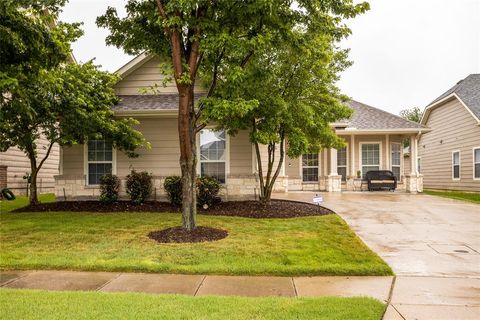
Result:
[352,156]
[387,153]
[333,162]
[351,165]
[414,181]
[334,181]
[413,155]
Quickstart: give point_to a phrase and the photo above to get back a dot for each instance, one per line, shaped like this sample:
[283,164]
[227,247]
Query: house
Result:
[450,153]
[15,165]
[374,141]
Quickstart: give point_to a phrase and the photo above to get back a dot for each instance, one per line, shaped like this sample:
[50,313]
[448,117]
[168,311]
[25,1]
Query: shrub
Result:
[109,187]
[173,188]
[139,186]
[207,191]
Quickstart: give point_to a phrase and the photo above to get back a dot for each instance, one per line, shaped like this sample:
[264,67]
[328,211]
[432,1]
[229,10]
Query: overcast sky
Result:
[405,53]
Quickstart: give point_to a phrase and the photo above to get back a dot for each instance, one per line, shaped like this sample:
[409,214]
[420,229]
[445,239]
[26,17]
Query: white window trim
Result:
[227,154]
[401,158]
[473,162]
[459,165]
[85,163]
[347,159]
[380,150]
[318,168]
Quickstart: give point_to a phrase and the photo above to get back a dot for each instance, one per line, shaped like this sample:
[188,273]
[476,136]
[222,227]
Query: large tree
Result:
[296,102]
[204,36]
[46,96]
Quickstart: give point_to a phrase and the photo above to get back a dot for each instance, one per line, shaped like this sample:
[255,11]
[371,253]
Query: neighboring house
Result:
[16,165]
[450,153]
[374,141]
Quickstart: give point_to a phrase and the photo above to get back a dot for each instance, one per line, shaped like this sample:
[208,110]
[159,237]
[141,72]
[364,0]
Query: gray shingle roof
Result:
[468,90]
[364,117]
[149,102]
[367,117]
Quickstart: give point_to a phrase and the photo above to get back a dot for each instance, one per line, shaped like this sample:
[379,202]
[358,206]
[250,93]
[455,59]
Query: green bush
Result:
[109,187]
[207,190]
[139,186]
[173,188]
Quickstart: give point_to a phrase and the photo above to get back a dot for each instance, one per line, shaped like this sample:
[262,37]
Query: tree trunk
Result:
[33,177]
[188,160]
[267,184]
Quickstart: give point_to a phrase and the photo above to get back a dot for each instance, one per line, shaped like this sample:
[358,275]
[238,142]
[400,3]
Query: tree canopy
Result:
[216,39]
[45,94]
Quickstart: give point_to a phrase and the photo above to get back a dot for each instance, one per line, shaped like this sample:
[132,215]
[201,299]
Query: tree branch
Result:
[46,155]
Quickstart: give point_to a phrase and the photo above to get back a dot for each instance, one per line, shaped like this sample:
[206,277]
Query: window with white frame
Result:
[396,154]
[99,160]
[456,165]
[370,157]
[342,163]
[476,163]
[310,167]
[213,154]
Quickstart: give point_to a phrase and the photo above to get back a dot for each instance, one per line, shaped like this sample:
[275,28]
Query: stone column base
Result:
[333,183]
[350,183]
[414,183]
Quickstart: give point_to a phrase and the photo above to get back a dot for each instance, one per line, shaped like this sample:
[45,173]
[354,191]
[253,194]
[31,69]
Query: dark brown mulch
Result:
[97,206]
[274,209]
[181,235]
[247,209]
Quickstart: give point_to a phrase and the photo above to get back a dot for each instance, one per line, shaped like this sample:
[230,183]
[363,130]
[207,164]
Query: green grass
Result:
[322,245]
[45,305]
[473,197]
[22,201]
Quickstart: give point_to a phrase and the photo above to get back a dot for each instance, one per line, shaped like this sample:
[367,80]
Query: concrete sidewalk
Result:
[197,285]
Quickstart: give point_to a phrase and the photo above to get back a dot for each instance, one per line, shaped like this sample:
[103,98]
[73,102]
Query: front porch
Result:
[335,170]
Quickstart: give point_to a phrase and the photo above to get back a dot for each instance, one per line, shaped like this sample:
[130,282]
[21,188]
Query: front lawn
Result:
[458,195]
[22,201]
[31,304]
[319,245]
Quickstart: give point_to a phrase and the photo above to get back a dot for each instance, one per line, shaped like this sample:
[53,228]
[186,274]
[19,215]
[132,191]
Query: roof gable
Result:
[466,90]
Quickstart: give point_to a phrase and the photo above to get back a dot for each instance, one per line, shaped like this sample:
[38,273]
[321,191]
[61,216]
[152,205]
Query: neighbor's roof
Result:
[467,90]
[366,117]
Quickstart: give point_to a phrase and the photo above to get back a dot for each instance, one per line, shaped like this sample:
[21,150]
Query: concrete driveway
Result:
[432,244]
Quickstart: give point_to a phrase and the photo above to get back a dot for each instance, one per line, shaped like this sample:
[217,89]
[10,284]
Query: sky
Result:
[405,53]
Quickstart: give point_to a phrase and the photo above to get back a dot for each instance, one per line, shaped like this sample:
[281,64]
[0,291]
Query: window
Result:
[342,163]
[419,165]
[370,157]
[99,160]
[310,167]
[396,154]
[213,153]
[456,165]
[476,163]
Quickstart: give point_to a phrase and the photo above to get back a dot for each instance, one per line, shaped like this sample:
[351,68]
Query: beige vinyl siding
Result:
[241,154]
[145,76]
[19,164]
[72,160]
[453,128]
[163,156]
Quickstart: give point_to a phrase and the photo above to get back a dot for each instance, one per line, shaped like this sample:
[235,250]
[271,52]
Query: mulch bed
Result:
[180,235]
[247,209]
